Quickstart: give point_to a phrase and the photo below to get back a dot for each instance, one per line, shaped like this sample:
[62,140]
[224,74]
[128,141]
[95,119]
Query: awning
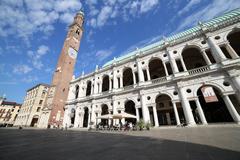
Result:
[106,116]
[123,115]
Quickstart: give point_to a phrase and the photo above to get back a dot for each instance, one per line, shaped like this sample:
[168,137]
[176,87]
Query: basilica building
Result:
[192,77]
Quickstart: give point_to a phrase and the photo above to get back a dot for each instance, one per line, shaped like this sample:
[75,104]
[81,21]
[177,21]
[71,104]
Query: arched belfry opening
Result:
[127,77]
[76,91]
[165,112]
[105,83]
[85,117]
[193,58]
[130,108]
[215,110]
[156,68]
[89,88]
[234,40]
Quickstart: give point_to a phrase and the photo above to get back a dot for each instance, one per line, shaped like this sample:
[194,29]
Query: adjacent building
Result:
[31,109]
[8,112]
[192,77]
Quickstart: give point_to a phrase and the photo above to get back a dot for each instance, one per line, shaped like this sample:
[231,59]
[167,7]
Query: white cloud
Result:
[35,57]
[106,12]
[104,15]
[91,2]
[147,5]
[21,69]
[208,12]
[189,6]
[29,79]
[23,18]
[103,54]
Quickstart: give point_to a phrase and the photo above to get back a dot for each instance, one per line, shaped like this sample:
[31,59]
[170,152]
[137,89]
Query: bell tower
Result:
[58,92]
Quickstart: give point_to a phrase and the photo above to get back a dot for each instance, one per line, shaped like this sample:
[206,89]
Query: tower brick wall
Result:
[63,74]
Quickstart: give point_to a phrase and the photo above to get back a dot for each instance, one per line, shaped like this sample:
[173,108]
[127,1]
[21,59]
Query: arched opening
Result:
[127,77]
[76,91]
[105,83]
[104,112]
[156,68]
[215,109]
[34,121]
[72,116]
[165,110]
[130,108]
[193,58]
[234,40]
[85,117]
[89,87]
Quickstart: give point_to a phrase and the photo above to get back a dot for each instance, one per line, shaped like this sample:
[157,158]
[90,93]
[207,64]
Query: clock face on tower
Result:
[72,53]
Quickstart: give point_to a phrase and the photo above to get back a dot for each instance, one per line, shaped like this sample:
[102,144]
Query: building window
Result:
[43,94]
[77,31]
[38,109]
[40,102]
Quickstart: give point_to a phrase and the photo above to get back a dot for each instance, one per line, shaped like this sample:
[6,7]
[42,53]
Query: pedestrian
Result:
[66,126]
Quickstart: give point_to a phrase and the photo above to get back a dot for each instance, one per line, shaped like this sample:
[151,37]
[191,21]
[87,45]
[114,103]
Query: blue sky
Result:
[32,33]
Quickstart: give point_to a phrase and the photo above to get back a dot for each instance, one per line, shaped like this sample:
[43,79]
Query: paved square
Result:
[203,143]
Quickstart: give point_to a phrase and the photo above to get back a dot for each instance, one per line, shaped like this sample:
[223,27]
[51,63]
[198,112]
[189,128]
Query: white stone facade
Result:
[163,84]
[31,110]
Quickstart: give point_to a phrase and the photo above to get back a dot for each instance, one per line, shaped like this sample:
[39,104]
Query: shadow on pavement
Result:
[71,145]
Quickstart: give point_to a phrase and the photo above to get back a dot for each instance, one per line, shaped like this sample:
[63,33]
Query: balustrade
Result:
[199,70]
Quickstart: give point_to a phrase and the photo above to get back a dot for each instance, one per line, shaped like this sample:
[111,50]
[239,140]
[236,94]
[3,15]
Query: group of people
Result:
[127,126]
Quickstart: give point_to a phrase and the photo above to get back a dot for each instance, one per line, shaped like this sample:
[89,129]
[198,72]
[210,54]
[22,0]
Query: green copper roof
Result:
[231,16]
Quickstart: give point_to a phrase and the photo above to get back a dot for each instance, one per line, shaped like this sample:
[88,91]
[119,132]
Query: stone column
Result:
[172,63]
[148,74]
[96,87]
[81,119]
[121,82]
[236,81]
[89,119]
[231,51]
[93,117]
[92,89]
[137,114]
[231,109]
[123,119]
[183,64]
[200,112]
[176,113]
[66,118]
[77,119]
[145,111]
[115,121]
[98,120]
[140,72]
[216,50]
[205,57]
[134,77]
[99,87]
[186,108]
[155,116]
[110,84]
[115,80]
[165,68]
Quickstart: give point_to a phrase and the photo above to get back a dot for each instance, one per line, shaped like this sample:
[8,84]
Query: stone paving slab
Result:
[203,143]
